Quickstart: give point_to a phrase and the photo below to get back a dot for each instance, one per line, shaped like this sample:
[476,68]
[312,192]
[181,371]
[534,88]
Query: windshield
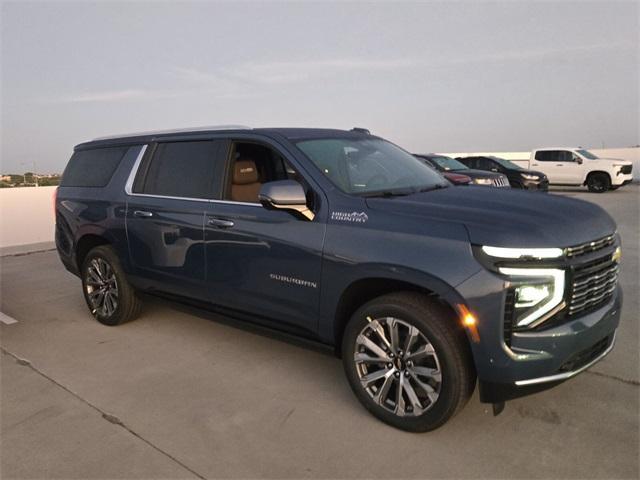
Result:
[506,163]
[370,166]
[587,154]
[448,163]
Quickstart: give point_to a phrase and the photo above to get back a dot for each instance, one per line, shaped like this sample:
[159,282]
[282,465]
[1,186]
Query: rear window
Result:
[186,169]
[92,168]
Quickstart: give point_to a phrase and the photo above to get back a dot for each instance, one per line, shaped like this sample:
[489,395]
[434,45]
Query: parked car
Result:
[577,166]
[444,164]
[454,178]
[518,176]
[346,239]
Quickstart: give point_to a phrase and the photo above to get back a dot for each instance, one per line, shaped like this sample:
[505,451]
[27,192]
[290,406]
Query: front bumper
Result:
[535,360]
[621,179]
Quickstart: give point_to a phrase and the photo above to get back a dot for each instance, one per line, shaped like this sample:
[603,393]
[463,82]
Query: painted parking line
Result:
[6,319]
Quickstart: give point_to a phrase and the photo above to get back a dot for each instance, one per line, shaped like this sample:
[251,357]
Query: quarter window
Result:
[186,169]
[92,168]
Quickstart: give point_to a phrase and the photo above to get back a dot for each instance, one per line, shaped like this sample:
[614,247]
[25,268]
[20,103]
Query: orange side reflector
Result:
[469,321]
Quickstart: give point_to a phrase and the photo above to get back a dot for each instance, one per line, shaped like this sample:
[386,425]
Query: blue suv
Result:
[347,239]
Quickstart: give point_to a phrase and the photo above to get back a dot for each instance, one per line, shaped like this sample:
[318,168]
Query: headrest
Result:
[244,172]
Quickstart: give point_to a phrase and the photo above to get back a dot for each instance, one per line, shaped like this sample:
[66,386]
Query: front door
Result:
[264,262]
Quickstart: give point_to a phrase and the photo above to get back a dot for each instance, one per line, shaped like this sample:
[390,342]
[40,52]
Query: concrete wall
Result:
[631,154]
[26,216]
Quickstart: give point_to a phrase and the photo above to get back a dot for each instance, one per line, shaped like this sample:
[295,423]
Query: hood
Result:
[504,217]
[617,160]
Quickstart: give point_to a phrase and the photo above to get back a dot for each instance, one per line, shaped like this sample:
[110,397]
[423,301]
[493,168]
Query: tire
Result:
[598,182]
[109,296]
[451,375]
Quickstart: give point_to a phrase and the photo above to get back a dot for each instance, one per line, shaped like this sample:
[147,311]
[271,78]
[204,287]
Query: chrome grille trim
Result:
[589,247]
[500,182]
[593,284]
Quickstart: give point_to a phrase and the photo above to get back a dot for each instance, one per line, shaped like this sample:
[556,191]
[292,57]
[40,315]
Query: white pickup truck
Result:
[576,166]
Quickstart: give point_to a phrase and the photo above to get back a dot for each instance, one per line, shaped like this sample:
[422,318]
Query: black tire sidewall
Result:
[448,399]
[599,183]
[108,256]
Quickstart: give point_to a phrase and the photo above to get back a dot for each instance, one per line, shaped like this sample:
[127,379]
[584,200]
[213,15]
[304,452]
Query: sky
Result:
[429,76]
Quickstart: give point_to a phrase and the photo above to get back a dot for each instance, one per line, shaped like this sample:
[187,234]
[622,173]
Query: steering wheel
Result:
[401,180]
[378,181]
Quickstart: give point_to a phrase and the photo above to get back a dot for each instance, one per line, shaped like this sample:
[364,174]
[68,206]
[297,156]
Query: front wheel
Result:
[407,361]
[598,182]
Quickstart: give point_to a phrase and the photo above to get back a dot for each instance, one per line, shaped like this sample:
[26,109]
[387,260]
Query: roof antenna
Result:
[361,130]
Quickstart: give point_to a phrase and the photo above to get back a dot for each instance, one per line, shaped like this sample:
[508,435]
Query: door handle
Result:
[559,164]
[220,223]
[142,214]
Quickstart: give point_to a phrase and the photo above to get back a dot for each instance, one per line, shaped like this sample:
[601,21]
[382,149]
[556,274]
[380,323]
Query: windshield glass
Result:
[506,163]
[587,154]
[448,163]
[370,166]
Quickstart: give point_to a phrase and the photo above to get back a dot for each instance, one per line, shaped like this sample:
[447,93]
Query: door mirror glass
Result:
[285,195]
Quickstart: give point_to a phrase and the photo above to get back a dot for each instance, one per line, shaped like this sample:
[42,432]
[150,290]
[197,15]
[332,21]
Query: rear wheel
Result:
[407,362]
[598,182]
[109,296]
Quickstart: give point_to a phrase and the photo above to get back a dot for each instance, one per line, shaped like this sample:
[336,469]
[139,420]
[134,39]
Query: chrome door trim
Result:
[128,187]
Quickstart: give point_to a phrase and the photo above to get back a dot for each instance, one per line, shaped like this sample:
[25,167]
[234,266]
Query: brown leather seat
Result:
[245,185]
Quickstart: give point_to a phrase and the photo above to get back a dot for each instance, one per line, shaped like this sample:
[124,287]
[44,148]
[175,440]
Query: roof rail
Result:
[175,130]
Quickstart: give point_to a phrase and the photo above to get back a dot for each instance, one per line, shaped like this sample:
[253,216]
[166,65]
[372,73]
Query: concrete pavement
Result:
[182,394]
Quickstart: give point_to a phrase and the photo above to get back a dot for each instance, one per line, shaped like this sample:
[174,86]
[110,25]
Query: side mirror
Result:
[577,159]
[285,195]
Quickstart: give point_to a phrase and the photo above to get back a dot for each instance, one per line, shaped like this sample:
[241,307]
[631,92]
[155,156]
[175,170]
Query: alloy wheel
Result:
[101,287]
[397,366]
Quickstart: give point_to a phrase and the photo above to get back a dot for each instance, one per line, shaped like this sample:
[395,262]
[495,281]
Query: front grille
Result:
[592,285]
[501,182]
[509,314]
[586,356]
[589,247]
[626,169]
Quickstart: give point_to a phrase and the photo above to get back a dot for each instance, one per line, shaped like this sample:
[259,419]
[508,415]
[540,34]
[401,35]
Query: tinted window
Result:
[92,168]
[549,156]
[186,169]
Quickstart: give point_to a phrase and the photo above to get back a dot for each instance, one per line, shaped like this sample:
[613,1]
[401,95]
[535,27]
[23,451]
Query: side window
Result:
[484,164]
[549,156]
[253,164]
[565,156]
[92,168]
[185,169]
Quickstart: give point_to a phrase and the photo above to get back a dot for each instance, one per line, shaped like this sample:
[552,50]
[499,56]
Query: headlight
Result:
[483,181]
[539,293]
[526,176]
[503,252]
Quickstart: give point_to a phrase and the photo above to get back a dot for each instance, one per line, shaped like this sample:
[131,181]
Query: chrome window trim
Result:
[128,187]
[567,375]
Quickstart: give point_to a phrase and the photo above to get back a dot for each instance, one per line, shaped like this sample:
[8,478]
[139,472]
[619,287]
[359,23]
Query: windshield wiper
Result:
[437,186]
[387,194]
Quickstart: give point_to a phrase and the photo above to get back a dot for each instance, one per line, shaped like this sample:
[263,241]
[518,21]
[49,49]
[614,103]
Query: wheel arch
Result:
[362,290]
[595,172]
[87,240]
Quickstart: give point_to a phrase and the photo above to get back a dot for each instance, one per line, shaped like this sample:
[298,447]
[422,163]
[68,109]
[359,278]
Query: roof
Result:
[293,134]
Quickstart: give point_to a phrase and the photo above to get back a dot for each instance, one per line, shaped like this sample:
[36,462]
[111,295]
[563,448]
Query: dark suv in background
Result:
[346,239]
[518,177]
[445,164]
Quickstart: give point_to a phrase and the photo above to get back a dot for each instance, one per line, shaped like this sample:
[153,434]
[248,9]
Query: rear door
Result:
[174,180]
